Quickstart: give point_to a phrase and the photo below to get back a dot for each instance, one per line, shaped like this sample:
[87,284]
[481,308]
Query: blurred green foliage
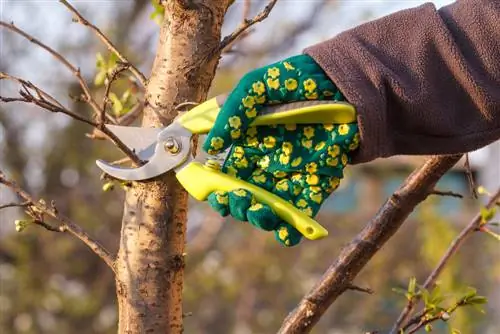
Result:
[158,11]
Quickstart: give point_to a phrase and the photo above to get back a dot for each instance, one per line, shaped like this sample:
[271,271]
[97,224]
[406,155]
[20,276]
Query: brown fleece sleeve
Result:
[424,81]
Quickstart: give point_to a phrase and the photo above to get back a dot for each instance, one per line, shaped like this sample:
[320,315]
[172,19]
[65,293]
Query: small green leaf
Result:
[477,300]
[455,331]
[124,111]
[117,104]
[411,285]
[108,186]
[125,185]
[436,297]
[482,190]
[487,214]
[100,62]
[100,78]
[21,225]
[158,12]
[126,96]
[428,328]
[471,292]
[113,59]
[426,297]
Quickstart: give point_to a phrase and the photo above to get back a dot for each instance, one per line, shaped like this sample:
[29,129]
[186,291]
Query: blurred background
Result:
[238,280]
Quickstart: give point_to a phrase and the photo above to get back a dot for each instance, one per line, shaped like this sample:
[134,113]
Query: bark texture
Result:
[150,262]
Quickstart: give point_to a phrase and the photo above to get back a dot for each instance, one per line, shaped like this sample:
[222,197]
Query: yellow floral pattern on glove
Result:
[302,164]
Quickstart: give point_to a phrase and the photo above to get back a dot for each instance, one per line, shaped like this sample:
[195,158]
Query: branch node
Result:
[361,289]
[37,210]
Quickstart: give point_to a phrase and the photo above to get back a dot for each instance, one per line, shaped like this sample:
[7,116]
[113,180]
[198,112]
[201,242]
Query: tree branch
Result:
[228,40]
[76,71]
[452,249]
[339,276]
[38,209]
[47,102]
[111,47]
[105,100]
[43,99]
[470,177]
[13,205]
[288,40]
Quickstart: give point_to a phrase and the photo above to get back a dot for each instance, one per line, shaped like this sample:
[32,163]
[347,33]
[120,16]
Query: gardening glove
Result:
[302,164]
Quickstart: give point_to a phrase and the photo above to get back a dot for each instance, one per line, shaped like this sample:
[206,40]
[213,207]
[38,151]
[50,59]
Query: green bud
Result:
[482,191]
[108,186]
[21,225]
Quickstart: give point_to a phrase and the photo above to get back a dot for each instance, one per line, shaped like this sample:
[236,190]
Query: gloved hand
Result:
[300,163]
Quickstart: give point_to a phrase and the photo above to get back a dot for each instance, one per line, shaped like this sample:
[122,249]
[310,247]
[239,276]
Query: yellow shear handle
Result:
[201,118]
[201,180]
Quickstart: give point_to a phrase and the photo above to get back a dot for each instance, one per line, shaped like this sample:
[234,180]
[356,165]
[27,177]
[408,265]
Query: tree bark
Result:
[150,262]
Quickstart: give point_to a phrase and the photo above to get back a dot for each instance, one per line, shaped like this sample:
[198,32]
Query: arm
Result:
[424,81]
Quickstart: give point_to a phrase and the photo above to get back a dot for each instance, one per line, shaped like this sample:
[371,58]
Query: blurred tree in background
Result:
[238,280]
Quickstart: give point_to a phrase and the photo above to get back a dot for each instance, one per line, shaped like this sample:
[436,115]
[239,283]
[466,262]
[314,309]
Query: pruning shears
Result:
[170,148]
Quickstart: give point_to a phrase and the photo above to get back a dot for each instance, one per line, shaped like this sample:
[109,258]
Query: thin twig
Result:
[470,177]
[423,322]
[420,320]
[105,100]
[49,227]
[415,320]
[244,18]
[120,161]
[13,205]
[446,193]
[76,71]
[353,257]
[452,249]
[46,101]
[228,40]
[293,33]
[80,19]
[43,99]
[66,223]
[361,289]
[124,120]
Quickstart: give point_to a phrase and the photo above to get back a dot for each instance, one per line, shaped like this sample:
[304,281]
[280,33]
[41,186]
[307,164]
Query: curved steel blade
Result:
[160,161]
[141,140]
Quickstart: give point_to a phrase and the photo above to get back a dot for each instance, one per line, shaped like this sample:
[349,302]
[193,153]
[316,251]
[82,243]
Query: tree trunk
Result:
[150,262]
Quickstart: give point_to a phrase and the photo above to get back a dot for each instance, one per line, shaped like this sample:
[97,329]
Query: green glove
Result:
[300,163]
